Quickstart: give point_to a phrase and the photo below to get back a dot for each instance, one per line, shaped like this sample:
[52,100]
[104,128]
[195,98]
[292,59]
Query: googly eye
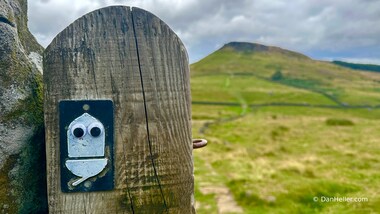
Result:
[78,130]
[95,129]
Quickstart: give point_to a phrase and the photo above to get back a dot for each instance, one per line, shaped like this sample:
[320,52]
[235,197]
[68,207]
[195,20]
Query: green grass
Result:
[250,90]
[276,159]
[292,158]
[221,71]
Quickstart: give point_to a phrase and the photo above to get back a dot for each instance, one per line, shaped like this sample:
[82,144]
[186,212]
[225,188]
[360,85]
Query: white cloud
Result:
[350,28]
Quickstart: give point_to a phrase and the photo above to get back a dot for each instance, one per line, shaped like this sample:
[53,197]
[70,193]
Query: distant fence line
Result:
[287,105]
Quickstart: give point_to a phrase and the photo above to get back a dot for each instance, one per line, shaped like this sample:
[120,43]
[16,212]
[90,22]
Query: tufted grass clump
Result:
[339,122]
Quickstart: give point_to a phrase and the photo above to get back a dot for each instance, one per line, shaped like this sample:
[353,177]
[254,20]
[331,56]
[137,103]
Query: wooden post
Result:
[131,57]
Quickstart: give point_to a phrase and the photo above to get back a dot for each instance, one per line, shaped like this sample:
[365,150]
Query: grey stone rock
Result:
[36,58]
[20,112]
[14,136]
[16,71]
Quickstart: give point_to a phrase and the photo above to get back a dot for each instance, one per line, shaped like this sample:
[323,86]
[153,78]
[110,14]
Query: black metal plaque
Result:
[86,145]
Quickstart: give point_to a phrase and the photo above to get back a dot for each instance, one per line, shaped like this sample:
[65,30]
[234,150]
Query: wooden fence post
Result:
[132,61]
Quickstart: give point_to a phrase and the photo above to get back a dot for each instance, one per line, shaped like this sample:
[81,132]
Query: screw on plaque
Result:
[85,139]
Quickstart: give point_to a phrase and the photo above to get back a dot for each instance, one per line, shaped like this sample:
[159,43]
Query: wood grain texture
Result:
[134,59]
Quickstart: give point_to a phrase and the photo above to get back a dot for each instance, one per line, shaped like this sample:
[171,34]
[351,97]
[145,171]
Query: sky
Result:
[322,29]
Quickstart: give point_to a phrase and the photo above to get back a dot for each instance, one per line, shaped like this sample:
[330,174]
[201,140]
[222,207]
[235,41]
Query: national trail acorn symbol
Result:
[85,139]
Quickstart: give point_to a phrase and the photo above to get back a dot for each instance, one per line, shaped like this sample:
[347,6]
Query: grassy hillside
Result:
[284,129]
[228,66]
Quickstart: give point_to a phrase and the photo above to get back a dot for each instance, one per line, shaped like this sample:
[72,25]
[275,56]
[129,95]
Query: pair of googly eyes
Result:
[94,129]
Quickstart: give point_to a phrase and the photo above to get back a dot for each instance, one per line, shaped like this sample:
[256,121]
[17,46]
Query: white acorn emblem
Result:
[86,144]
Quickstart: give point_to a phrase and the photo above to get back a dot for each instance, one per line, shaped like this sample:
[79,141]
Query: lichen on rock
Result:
[21,114]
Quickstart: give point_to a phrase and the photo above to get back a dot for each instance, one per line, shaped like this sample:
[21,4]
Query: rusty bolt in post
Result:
[199,143]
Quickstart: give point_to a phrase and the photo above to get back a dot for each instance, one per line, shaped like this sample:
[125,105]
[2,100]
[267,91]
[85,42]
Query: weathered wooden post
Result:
[118,116]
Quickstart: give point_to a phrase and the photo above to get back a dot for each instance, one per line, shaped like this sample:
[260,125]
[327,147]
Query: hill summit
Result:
[248,47]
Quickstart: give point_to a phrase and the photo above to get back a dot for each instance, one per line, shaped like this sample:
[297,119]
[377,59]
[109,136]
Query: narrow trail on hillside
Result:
[244,109]
[223,196]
